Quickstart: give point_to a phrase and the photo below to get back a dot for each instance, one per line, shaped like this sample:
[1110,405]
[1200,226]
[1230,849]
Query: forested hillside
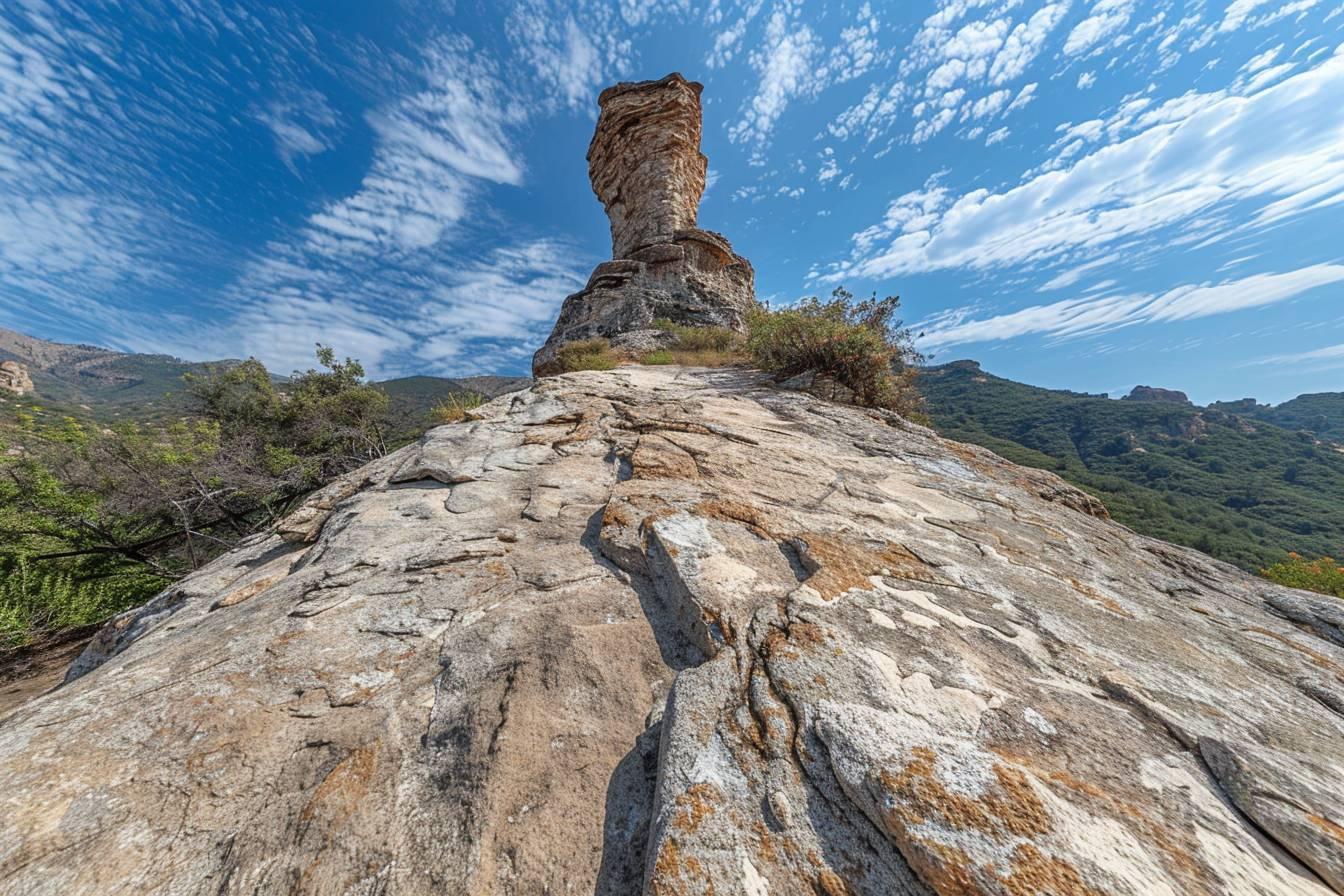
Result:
[1236,487]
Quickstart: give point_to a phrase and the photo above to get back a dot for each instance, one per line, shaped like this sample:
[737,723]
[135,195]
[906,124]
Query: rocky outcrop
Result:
[677,631]
[1152,393]
[646,168]
[14,378]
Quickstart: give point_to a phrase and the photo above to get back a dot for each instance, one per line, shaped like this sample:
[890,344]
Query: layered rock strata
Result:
[646,168]
[679,632]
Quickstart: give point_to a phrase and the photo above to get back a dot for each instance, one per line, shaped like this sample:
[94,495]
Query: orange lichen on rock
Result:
[344,787]
[1008,809]
[755,519]
[839,565]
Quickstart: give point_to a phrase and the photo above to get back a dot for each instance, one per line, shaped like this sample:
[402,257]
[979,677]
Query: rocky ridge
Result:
[678,631]
[646,168]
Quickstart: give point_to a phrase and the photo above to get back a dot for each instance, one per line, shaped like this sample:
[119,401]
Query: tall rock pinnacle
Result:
[646,168]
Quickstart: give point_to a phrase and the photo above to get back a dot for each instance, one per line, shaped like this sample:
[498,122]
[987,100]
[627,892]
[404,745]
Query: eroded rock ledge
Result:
[646,168]
[676,631]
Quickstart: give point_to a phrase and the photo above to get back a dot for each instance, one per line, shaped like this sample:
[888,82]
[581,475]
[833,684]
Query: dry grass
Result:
[586,354]
[454,408]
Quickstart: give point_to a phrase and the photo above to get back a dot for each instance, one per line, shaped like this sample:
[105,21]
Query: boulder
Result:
[646,168]
[668,630]
[14,378]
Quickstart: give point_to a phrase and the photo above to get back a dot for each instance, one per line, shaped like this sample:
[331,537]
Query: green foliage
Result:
[1323,575]
[585,354]
[1240,491]
[94,519]
[860,345]
[1321,413]
[454,407]
[659,357]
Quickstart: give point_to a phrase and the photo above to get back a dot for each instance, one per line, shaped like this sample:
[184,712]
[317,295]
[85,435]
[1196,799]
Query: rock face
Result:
[1152,393]
[677,631]
[14,378]
[646,168]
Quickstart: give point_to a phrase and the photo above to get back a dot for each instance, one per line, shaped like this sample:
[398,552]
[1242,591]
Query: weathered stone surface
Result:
[14,378]
[678,631]
[646,168]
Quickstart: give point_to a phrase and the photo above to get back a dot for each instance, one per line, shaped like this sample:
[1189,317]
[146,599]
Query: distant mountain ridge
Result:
[109,384]
[1223,479]
[105,383]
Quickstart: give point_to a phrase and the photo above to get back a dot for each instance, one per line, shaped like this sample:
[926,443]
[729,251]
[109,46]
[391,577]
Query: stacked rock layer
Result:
[679,632]
[646,168]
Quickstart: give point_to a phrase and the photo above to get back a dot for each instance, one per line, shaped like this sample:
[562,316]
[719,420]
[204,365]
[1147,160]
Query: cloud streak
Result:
[1076,318]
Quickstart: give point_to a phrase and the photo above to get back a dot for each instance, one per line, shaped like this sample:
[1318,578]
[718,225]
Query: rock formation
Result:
[678,631]
[646,168]
[14,378]
[1152,393]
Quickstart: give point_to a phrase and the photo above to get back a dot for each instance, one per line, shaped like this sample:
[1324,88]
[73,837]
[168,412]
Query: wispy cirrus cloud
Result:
[1277,152]
[1075,318]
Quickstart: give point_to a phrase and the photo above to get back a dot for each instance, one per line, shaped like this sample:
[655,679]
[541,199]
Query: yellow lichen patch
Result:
[679,875]
[693,806]
[1009,808]
[344,787]
[828,883]
[1034,873]
[839,564]
[782,644]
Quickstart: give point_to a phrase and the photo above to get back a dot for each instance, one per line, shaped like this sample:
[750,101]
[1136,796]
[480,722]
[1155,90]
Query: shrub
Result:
[698,346]
[662,356]
[1323,575]
[585,354]
[860,345]
[454,408]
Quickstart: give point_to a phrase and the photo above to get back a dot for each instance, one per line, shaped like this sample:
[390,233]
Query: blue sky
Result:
[1087,194]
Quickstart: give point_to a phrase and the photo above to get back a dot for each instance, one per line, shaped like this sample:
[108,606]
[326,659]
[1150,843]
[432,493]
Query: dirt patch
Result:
[30,671]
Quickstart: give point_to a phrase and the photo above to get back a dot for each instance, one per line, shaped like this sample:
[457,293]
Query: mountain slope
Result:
[1239,489]
[101,383]
[1321,413]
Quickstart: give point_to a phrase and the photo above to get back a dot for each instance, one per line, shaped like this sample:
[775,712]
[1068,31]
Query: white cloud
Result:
[1106,18]
[1241,13]
[1327,358]
[572,51]
[792,63]
[996,136]
[1024,43]
[1262,60]
[1086,80]
[300,125]
[1281,151]
[1077,318]
[432,148]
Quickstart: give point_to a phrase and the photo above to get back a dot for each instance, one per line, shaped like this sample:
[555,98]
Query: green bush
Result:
[661,356]
[1322,575]
[585,354]
[860,345]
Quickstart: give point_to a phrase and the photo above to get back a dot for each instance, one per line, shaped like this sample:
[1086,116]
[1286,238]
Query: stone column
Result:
[645,161]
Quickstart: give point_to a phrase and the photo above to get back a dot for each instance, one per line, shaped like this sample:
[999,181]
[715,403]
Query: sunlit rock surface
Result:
[676,631]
